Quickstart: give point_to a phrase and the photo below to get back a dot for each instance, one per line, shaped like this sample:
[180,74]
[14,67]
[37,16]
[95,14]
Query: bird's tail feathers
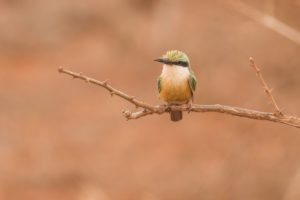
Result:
[176,115]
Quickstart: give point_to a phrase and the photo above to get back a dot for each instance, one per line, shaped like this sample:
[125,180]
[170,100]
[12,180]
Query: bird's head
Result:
[174,57]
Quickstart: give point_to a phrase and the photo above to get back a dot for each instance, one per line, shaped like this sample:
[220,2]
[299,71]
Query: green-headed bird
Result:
[177,81]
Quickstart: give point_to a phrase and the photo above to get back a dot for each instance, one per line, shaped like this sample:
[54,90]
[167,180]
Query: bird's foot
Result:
[168,109]
[189,108]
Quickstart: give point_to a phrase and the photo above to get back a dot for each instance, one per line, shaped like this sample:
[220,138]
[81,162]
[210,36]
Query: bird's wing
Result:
[158,83]
[192,82]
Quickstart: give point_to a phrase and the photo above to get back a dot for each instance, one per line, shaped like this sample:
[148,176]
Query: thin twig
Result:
[112,90]
[160,109]
[264,85]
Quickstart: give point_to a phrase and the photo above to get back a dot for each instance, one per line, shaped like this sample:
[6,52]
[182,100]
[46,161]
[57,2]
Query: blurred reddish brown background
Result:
[65,139]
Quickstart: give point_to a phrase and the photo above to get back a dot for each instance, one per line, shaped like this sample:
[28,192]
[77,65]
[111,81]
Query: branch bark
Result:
[264,85]
[148,109]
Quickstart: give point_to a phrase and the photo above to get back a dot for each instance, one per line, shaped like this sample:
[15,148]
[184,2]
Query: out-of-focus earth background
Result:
[66,139]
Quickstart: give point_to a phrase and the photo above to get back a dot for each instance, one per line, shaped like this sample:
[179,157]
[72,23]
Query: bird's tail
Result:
[176,115]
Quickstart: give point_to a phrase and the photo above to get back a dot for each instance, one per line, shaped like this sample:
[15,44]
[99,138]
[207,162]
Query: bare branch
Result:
[112,90]
[161,109]
[266,88]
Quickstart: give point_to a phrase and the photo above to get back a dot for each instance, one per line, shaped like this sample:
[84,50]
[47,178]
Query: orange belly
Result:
[175,91]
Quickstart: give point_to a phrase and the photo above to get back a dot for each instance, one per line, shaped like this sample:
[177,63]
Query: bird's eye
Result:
[181,63]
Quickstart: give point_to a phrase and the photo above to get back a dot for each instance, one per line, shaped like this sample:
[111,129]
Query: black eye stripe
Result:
[181,63]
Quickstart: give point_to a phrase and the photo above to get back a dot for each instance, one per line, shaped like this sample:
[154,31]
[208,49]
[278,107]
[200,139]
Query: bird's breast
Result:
[174,84]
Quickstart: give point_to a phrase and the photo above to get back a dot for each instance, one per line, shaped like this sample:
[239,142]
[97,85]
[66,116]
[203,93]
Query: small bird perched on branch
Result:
[177,82]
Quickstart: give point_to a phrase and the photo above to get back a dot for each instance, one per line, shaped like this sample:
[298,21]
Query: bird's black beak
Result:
[162,60]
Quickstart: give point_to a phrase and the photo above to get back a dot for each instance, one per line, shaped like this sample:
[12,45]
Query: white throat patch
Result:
[175,72]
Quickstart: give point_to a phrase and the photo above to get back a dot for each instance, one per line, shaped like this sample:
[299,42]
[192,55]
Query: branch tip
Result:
[251,59]
[126,113]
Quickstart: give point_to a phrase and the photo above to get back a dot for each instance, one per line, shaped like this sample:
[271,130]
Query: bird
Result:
[177,83]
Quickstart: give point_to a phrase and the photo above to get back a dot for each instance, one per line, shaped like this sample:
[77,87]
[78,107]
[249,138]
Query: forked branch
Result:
[148,109]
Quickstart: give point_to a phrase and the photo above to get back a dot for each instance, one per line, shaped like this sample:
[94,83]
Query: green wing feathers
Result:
[158,83]
[192,81]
